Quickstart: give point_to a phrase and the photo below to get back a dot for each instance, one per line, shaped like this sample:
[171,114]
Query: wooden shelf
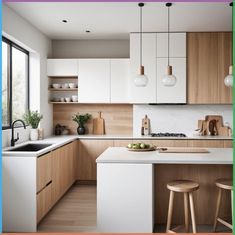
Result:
[52,102]
[65,77]
[63,89]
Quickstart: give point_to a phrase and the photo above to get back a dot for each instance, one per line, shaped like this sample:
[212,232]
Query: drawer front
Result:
[44,175]
[44,202]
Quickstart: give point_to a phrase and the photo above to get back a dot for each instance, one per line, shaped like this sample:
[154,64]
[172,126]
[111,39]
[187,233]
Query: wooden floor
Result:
[75,212]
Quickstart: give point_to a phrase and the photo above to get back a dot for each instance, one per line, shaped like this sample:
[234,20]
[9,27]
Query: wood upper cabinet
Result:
[209,57]
[143,94]
[62,67]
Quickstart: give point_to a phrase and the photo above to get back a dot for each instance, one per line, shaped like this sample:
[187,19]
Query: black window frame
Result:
[16,46]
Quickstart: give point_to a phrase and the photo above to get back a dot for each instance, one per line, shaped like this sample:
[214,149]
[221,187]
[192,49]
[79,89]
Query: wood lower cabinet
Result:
[206,143]
[88,152]
[209,57]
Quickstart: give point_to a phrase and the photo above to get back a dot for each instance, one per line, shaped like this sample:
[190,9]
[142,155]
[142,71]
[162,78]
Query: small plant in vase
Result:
[81,120]
[33,119]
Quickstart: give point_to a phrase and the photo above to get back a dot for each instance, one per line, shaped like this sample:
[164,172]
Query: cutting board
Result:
[98,125]
[183,150]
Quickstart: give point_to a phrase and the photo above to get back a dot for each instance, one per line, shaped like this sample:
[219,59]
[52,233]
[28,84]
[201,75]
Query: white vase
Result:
[33,134]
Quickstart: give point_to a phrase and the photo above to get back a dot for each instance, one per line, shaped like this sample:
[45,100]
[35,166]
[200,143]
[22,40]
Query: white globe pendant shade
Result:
[169,79]
[141,80]
[228,81]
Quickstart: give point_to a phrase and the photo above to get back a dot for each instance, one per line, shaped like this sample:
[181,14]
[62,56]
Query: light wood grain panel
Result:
[44,174]
[169,143]
[228,143]
[89,151]
[224,61]
[202,54]
[204,198]
[118,118]
[44,202]
[206,143]
[122,143]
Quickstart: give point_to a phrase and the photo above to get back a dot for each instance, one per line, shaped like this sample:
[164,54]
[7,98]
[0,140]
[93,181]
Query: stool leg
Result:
[232,205]
[186,217]
[217,208]
[170,210]
[192,212]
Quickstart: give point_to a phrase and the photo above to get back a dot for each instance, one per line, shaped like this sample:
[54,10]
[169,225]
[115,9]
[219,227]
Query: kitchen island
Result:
[131,186]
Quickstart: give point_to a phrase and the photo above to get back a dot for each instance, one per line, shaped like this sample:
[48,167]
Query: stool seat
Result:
[224,184]
[183,186]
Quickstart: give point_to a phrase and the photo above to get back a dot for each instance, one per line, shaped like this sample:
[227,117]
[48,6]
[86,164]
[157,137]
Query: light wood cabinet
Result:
[88,152]
[206,143]
[228,143]
[62,67]
[209,57]
[44,174]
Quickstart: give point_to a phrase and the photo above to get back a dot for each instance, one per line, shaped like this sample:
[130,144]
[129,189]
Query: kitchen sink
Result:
[30,148]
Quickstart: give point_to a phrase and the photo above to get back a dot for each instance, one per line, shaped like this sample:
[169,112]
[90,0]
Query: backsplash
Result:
[118,117]
[177,118]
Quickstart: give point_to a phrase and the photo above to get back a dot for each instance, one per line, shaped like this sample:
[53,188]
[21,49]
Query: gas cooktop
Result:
[168,134]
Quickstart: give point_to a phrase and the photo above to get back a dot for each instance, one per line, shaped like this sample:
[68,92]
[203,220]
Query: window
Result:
[15,82]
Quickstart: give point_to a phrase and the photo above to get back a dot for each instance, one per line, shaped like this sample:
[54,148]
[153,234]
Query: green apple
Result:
[142,146]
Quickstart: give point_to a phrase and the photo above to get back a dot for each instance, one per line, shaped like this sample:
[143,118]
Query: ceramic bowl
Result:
[65,85]
[74,98]
[61,99]
[67,99]
[72,85]
[56,85]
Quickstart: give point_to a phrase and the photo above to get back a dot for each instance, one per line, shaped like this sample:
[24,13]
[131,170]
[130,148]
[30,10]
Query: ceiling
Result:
[116,20]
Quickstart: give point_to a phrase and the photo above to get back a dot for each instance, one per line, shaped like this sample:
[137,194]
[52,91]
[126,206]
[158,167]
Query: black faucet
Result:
[13,140]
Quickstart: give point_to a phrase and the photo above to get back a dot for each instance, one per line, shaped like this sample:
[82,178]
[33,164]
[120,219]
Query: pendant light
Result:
[169,79]
[141,79]
[228,81]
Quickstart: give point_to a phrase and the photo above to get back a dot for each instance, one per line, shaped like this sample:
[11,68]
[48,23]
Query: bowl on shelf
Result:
[67,99]
[61,99]
[56,85]
[74,98]
[72,85]
[56,100]
[65,85]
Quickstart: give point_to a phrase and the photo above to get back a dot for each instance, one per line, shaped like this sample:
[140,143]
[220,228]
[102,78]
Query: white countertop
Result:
[58,141]
[122,155]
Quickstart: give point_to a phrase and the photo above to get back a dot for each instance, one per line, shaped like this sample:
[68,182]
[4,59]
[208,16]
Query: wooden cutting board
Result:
[98,125]
[183,150]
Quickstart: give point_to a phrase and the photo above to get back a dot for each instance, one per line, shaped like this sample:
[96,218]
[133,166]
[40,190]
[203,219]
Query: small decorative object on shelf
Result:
[81,120]
[33,118]
[61,130]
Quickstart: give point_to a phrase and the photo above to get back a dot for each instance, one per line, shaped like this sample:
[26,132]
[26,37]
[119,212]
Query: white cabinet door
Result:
[94,81]
[143,94]
[177,93]
[62,67]
[177,45]
[120,74]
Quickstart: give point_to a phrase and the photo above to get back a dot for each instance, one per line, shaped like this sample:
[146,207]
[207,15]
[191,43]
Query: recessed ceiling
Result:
[116,20]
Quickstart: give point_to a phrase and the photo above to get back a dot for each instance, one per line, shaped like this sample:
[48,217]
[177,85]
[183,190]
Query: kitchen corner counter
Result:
[122,155]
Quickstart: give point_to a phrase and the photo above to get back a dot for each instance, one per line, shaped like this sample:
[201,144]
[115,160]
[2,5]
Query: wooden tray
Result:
[182,150]
[152,148]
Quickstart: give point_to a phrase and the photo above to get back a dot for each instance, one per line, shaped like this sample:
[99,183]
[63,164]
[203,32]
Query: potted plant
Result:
[33,118]
[81,120]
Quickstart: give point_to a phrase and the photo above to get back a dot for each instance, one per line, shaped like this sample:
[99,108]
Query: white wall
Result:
[177,118]
[90,48]
[22,32]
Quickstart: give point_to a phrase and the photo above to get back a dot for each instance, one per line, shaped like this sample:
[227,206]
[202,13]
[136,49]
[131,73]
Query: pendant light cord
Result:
[168,28]
[141,37]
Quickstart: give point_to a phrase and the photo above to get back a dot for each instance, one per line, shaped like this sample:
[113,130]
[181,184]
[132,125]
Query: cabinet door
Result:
[89,151]
[143,94]
[206,143]
[94,81]
[177,45]
[177,93]
[62,67]
[44,175]
[120,74]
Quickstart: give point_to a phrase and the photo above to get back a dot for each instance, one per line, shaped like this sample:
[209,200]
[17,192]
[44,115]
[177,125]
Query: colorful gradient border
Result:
[205,1]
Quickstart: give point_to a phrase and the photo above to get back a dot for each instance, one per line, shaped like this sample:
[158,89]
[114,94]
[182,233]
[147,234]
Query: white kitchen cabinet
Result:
[62,67]
[94,81]
[143,94]
[177,93]
[120,74]
[177,45]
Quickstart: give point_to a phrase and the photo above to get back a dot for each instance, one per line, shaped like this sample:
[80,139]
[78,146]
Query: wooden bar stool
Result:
[187,187]
[223,184]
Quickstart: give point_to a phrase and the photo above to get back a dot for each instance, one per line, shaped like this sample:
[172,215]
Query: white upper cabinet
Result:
[143,94]
[175,94]
[120,74]
[94,81]
[62,67]
[177,45]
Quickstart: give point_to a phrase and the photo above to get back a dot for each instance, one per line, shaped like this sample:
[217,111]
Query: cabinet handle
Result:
[45,186]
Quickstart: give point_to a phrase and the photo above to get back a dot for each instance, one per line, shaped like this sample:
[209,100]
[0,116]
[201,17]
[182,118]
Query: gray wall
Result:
[90,48]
